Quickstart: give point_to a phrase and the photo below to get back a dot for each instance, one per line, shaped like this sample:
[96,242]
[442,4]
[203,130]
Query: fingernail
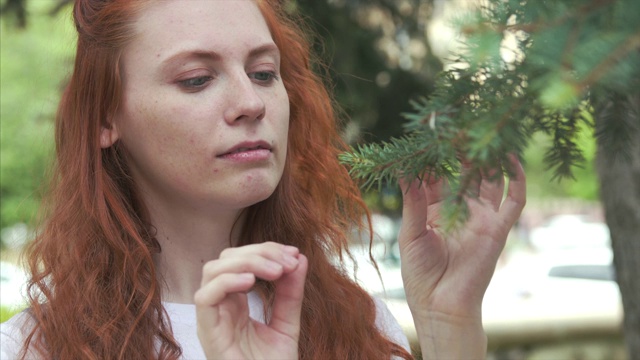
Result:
[274,266]
[246,277]
[290,260]
[291,250]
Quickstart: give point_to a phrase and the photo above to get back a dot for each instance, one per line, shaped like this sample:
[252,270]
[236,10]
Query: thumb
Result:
[287,306]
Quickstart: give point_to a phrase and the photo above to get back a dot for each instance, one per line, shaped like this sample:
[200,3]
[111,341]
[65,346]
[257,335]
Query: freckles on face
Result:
[154,140]
[205,115]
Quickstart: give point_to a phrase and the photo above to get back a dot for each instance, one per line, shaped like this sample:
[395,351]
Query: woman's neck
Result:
[188,242]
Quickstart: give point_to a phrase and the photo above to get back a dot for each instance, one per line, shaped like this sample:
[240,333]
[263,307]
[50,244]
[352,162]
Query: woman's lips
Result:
[248,151]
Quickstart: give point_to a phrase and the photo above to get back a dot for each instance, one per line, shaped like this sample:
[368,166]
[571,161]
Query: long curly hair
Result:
[94,292]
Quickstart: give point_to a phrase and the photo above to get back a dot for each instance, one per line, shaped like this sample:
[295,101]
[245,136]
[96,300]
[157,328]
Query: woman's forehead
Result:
[221,24]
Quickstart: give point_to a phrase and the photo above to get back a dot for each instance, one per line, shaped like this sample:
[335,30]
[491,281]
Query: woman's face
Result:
[205,115]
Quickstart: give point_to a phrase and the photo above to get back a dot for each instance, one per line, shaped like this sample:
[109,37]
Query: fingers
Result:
[434,190]
[217,289]
[221,302]
[221,306]
[267,261]
[420,209]
[485,186]
[516,193]
[414,206]
[491,188]
[237,269]
[289,293]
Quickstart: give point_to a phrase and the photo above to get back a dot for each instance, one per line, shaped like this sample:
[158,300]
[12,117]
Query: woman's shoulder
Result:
[389,325]
[13,332]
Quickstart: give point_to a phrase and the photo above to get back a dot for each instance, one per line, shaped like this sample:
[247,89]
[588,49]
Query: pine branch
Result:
[491,107]
[630,45]
[618,113]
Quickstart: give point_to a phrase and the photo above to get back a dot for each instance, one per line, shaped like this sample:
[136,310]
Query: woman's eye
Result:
[264,77]
[195,83]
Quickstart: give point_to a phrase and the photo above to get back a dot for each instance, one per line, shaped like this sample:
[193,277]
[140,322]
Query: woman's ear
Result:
[108,134]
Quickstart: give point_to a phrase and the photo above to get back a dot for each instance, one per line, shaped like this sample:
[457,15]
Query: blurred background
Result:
[553,295]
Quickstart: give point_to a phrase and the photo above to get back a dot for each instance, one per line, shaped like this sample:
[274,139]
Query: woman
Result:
[197,191]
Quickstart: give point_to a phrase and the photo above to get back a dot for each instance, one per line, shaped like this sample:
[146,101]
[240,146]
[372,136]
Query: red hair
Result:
[94,292]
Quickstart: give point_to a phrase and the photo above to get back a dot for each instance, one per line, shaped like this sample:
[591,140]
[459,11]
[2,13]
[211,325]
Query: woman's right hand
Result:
[225,330]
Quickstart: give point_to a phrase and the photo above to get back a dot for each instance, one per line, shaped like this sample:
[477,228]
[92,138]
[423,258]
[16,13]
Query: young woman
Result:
[198,203]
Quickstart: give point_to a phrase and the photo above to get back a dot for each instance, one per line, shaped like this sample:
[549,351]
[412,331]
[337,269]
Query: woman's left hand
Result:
[446,275]
[225,329]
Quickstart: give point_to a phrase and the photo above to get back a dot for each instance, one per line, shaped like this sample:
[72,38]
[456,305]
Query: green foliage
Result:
[527,67]
[6,313]
[34,63]
[542,184]
[356,61]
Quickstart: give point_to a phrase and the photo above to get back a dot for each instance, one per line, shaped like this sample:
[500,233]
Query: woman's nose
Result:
[245,103]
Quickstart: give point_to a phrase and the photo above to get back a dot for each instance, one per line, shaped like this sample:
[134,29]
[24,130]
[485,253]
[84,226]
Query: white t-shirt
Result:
[183,322]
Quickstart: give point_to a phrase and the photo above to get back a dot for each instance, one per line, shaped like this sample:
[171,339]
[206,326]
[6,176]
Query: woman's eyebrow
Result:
[265,49]
[268,49]
[195,54]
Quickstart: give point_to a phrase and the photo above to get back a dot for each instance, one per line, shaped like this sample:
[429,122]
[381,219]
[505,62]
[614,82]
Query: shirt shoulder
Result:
[13,333]
[389,325]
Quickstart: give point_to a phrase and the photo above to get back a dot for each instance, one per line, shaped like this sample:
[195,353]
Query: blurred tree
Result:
[18,9]
[528,67]
[34,62]
[366,46]
[369,62]
[620,194]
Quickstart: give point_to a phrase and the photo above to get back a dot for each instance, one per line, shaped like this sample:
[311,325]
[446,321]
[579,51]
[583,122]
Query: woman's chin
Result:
[246,196]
